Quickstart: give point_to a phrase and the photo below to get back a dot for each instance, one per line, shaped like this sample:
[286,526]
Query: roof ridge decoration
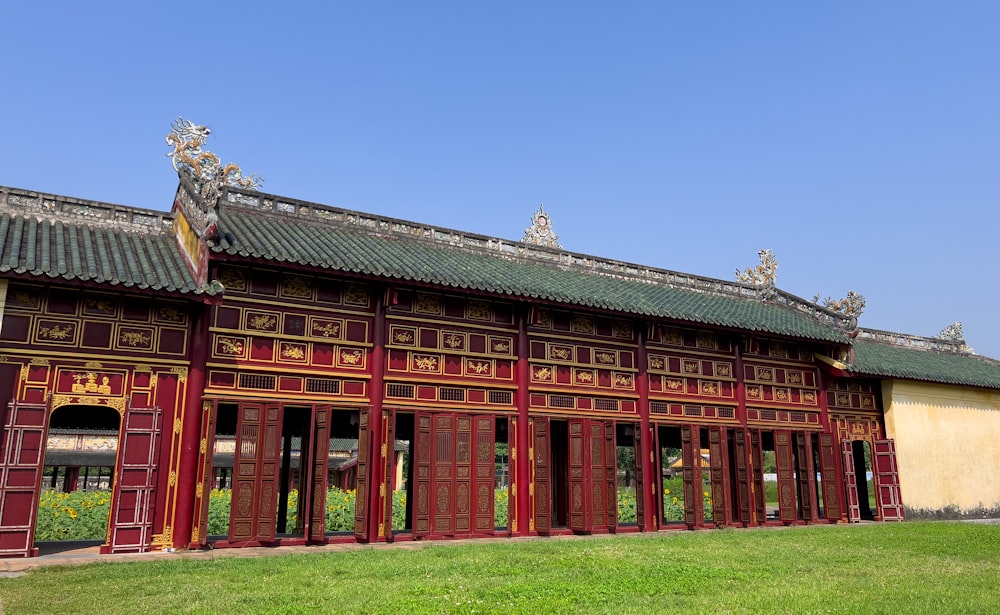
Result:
[941,343]
[540,232]
[852,305]
[50,207]
[203,166]
[279,208]
[764,276]
[953,332]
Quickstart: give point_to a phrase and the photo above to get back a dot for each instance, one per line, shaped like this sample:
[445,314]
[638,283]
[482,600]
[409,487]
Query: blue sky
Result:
[859,141]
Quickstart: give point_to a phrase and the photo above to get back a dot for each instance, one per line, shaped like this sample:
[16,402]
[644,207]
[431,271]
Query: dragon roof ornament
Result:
[764,275]
[852,305]
[540,232]
[953,332]
[204,167]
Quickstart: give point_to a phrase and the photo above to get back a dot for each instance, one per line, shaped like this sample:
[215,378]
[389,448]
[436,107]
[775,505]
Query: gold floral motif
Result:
[479,367]
[675,384]
[543,319]
[794,377]
[232,279]
[199,491]
[454,341]
[582,324]
[559,352]
[327,329]
[656,362]
[262,322]
[133,338]
[706,340]
[843,399]
[55,332]
[22,298]
[356,295]
[623,380]
[169,313]
[350,357]
[584,376]
[673,337]
[295,286]
[778,350]
[867,402]
[723,369]
[479,310]
[709,388]
[231,346]
[623,328]
[172,480]
[542,373]
[100,306]
[765,373]
[402,336]
[781,394]
[690,367]
[606,358]
[809,397]
[428,304]
[293,351]
[425,362]
[501,346]
[753,392]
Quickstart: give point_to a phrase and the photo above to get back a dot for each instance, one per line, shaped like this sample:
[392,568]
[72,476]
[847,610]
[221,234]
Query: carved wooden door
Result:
[443,475]
[783,459]
[718,451]
[542,475]
[422,475]
[609,476]
[484,521]
[22,455]
[890,503]
[361,532]
[743,476]
[694,503]
[757,460]
[318,458]
[580,505]
[642,464]
[828,472]
[806,475]
[206,468]
[850,483]
[252,517]
[388,451]
[134,498]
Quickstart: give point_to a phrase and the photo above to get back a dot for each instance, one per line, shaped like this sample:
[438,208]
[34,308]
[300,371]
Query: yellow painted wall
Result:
[947,446]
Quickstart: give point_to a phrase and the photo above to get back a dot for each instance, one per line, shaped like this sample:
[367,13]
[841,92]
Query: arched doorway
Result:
[81,450]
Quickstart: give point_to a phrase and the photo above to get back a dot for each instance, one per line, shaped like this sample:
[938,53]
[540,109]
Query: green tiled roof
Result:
[101,254]
[313,243]
[886,360]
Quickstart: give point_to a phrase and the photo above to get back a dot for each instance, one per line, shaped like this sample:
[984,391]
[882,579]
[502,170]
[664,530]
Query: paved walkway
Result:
[76,553]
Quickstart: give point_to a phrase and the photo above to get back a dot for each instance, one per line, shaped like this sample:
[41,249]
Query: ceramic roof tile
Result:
[78,251]
[330,246]
[886,360]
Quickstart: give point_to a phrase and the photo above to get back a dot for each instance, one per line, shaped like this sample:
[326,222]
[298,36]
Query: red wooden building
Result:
[273,320]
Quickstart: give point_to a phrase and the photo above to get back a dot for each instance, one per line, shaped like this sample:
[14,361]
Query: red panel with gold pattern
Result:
[294,336]
[460,350]
[582,363]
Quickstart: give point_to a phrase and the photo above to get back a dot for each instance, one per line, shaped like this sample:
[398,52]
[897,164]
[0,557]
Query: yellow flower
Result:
[666,492]
[706,494]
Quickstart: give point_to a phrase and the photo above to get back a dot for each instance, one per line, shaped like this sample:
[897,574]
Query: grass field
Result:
[891,568]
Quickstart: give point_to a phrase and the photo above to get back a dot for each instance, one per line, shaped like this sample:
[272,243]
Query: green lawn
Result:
[891,568]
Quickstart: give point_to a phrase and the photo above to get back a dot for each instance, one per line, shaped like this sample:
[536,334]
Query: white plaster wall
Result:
[947,445]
